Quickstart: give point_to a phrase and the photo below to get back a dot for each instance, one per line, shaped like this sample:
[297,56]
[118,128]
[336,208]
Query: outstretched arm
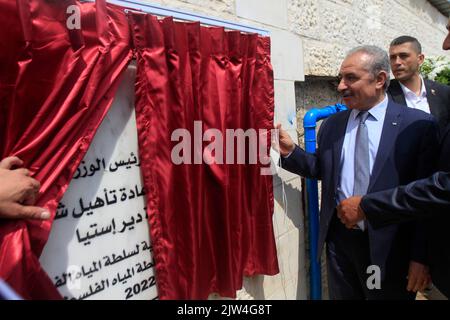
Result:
[295,159]
[417,200]
[18,192]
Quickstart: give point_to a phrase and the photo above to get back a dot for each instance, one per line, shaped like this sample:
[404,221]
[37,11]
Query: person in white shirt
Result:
[409,88]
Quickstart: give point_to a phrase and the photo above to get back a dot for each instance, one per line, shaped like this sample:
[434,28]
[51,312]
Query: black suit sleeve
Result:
[417,200]
[420,199]
[426,165]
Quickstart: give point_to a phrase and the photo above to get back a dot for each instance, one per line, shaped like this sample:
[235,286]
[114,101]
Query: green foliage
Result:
[436,69]
[444,77]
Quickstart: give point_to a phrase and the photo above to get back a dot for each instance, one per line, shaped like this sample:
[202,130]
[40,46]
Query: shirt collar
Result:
[376,112]
[407,92]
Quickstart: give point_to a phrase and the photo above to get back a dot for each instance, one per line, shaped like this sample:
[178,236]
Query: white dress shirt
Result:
[413,101]
[374,125]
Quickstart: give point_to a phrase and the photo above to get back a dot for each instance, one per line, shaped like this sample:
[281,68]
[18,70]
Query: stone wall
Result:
[330,27]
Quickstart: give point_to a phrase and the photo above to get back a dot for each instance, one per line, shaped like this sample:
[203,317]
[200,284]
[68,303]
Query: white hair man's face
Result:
[358,87]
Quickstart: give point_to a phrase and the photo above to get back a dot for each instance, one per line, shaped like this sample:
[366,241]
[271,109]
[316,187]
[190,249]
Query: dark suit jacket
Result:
[407,148]
[428,198]
[438,96]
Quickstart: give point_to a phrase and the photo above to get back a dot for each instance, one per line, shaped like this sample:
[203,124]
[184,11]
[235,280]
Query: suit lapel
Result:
[341,126]
[433,99]
[396,93]
[392,122]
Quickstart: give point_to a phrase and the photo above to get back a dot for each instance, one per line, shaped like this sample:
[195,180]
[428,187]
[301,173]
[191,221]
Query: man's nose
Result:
[342,86]
[397,61]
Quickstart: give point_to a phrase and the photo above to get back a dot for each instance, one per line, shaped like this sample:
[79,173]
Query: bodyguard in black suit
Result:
[407,140]
[409,88]
[438,96]
[423,199]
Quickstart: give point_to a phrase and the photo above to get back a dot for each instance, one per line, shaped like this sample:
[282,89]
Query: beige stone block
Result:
[294,290]
[270,12]
[287,64]
[285,107]
[289,254]
[253,289]
[271,284]
[304,17]
[284,176]
[288,213]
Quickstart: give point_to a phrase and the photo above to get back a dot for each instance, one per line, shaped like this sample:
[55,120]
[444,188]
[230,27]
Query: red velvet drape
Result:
[56,85]
[210,224]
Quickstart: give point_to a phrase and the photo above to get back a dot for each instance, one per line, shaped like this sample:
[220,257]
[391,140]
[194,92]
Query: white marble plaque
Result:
[99,246]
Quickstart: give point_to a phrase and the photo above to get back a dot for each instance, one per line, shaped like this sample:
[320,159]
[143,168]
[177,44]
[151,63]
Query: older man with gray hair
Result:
[375,145]
[422,199]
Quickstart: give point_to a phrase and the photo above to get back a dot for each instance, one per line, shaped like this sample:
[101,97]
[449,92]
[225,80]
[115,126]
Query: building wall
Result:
[310,38]
[330,27]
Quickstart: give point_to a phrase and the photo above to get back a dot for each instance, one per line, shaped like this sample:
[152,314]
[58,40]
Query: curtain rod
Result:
[182,15]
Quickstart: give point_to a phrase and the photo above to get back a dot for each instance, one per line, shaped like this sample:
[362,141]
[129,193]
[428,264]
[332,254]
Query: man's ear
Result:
[381,79]
[421,58]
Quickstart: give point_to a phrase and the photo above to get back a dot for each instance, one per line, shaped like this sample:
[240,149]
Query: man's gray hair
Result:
[379,61]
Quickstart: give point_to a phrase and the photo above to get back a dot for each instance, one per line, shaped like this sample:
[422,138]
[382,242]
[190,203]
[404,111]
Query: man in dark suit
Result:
[409,88]
[423,199]
[374,146]
[427,200]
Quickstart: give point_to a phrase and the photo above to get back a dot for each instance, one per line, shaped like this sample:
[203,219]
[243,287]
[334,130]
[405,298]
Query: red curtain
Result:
[56,85]
[210,224]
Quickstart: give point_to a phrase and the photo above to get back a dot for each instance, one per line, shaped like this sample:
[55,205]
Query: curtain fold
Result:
[210,224]
[56,86]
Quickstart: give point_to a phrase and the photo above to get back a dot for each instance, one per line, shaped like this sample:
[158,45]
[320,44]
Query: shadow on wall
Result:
[281,286]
